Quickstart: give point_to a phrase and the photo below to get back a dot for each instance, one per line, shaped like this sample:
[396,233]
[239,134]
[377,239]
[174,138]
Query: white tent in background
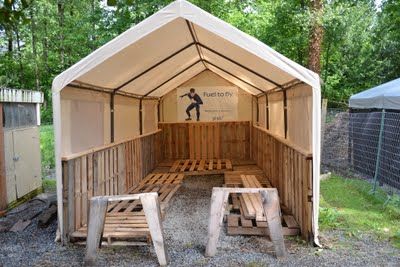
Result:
[384,96]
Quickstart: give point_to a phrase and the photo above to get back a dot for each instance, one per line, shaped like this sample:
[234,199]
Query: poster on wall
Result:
[218,103]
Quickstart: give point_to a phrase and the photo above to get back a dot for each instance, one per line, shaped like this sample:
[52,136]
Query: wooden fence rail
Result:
[289,169]
[206,140]
[107,170]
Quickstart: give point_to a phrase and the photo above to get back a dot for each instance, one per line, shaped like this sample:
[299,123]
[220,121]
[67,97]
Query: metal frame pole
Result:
[378,155]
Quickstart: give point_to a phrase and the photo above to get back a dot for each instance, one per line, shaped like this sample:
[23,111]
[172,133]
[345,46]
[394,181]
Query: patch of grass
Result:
[47,146]
[347,204]
[49,185]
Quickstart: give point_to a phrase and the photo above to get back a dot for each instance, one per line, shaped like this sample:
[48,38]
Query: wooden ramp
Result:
[202,166]
[125,220]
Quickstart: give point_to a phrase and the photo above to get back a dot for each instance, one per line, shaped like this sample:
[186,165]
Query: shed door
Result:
[27,160]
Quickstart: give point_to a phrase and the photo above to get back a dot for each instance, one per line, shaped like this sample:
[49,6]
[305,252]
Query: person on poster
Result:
[195,103]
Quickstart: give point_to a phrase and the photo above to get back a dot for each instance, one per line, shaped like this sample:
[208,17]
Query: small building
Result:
[374,137]
[20,166]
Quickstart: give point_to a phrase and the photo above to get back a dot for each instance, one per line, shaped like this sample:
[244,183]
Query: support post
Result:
[272,211]
[378,155]
[151,207]
[97,216]
[266,111]
[141,116]
[112,117]
[218,200]
[3,184]
[285,112]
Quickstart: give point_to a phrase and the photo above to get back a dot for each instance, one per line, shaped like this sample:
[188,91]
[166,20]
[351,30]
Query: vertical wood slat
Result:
[290,171]
[109,171]
[206,140]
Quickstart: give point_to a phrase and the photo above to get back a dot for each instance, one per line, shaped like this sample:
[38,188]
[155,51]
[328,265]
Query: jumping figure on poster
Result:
[195,103]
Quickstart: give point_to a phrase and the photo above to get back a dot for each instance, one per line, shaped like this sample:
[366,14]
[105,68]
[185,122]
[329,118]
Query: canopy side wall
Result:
[290,162]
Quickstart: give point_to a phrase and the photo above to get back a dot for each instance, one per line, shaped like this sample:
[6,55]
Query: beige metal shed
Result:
[119,106]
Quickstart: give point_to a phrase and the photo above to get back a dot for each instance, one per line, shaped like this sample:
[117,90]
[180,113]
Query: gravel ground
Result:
[185,228]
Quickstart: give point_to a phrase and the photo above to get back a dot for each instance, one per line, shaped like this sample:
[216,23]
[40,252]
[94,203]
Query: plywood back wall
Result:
[169,111]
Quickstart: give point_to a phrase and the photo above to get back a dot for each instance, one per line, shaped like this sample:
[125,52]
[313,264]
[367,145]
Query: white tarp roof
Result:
[385,96]
[187,40]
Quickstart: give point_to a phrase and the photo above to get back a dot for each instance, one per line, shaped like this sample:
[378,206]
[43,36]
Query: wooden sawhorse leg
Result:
[97,215]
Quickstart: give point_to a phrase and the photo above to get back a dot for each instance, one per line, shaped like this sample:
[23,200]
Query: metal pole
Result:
[378,156]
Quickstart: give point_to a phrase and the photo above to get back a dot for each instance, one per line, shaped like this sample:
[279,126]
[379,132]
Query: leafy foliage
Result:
[361,45]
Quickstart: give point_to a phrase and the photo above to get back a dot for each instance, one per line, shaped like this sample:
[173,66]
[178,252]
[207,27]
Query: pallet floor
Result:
[201,166]
[126,222]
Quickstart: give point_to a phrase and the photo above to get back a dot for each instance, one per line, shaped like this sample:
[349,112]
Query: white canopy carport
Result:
[384,96]
[174,45]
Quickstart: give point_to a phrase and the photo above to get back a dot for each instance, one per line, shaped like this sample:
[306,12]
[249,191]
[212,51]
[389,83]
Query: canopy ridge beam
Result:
[195,40]
[154,66]
[173,77]
[233,75]
[240,65]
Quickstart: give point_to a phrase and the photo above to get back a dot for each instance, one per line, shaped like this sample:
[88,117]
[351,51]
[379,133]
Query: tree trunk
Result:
[317,33]
[34,48]
[60,7]
[21,67]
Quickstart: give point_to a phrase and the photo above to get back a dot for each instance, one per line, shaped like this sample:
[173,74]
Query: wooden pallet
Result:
[233,178]
[238,225]
[202,166]
[125,220]
[125,226]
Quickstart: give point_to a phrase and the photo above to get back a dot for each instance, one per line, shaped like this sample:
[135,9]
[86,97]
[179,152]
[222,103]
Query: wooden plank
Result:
[184,166]
[3,177]
[193,165]
[201,165]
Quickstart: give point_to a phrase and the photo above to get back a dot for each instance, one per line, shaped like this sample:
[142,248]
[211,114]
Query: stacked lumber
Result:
[202,166]
[246,214]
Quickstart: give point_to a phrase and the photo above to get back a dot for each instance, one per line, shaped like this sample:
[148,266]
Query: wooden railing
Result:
[108,170]
[289,169]
[206,140]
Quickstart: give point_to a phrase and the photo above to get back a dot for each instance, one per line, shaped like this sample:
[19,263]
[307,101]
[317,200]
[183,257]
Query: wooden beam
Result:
[97,216]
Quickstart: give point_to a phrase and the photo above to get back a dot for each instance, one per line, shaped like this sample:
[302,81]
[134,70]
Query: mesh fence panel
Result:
[351,146]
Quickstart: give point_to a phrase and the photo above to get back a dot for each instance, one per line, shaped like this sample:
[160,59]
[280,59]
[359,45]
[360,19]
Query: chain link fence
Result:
[363,144]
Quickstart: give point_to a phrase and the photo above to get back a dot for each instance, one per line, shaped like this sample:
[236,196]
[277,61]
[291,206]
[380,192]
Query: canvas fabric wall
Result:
[299,116]
[223,101]
[85,119]
[150,121]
